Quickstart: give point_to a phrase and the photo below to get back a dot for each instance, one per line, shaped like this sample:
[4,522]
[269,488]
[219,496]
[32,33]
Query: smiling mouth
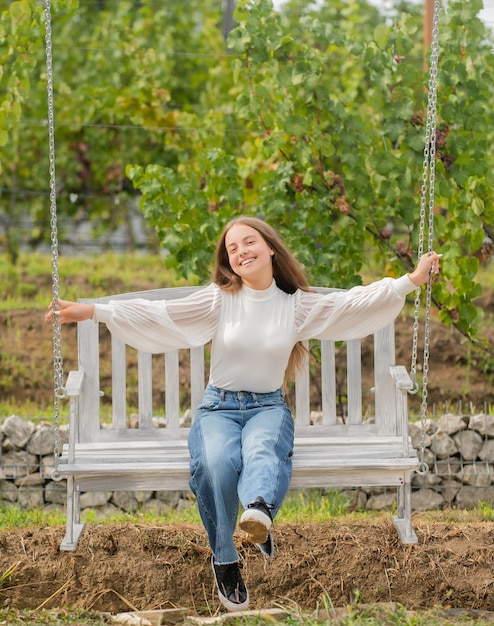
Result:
[247,262]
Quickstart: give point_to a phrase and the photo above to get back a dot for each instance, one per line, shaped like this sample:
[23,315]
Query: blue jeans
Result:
[241,447]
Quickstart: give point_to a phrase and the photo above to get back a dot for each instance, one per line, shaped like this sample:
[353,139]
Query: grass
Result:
[300,506]
[59,617]
[365,615]
[28,284]
[311,505]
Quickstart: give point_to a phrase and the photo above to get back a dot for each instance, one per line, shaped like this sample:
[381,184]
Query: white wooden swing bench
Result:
[356,453]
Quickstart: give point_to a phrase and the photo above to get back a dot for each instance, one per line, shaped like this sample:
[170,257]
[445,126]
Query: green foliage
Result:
[313,119]
[334,106]
[126,89]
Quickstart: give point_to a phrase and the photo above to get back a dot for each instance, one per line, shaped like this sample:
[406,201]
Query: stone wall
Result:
[458,449]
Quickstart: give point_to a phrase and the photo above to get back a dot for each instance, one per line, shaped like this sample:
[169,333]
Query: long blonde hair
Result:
[287,273]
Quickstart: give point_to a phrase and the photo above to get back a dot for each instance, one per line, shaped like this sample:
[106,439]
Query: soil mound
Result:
[119,567]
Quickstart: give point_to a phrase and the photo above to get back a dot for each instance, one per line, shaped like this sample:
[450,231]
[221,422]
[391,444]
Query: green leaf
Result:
[307,180]
[381,35]
[19,11]
[478,206]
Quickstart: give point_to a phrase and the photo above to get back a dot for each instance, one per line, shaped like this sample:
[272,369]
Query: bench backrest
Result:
[182,376]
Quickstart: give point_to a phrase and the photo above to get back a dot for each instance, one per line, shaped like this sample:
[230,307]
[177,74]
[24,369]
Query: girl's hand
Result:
[68,312]
[427,265]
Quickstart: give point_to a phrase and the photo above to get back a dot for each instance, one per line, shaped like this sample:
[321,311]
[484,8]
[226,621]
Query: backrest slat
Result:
[354,382]
[89,412]
[172,393]
[302,395]
[328,387]
[119,384]
[384,358]
[145,388]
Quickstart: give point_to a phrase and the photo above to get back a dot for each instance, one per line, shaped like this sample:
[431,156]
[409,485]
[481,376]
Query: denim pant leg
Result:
[267,448]
[214,444]
[241,447]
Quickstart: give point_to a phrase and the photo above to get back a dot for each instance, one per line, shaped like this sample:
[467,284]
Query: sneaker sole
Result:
[256,524]
[228,604]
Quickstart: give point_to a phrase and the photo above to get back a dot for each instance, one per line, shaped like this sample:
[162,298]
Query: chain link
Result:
[427,215]
[58,385]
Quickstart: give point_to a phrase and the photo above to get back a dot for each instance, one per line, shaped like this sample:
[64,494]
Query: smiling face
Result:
[250,256]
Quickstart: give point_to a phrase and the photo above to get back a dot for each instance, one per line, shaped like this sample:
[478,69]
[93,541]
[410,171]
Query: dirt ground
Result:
[143,567]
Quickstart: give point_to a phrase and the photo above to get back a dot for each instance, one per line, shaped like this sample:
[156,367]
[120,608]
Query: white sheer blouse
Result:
[253,332]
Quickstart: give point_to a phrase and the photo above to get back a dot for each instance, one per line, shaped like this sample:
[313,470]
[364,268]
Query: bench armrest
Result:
[74,383]
[401,377]
[403,384]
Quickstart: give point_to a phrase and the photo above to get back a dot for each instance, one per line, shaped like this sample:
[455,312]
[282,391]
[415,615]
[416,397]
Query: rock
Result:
[18,430]
[477,475]
[447,468]
[8,491]
[468,497]
[42,441]
[449,489]
[483,424]
[470,443]
[91,499]
[30,498]
[170,498]
[130,500]
[31,480]
[46,466]
[416,436]
[429,479]
[381,501]
[19,463]
[426,500]
[487,451]
[56,492]
[451,423]
[443,445]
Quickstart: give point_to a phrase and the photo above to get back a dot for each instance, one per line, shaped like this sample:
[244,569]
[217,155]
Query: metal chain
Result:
[427,214]
[58,386]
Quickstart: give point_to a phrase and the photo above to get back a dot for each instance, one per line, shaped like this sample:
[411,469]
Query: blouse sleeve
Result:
[162,325]
[343,315]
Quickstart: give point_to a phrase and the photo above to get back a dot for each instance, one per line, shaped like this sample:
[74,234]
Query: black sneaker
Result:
[267,548]
[256,521]
[232,591]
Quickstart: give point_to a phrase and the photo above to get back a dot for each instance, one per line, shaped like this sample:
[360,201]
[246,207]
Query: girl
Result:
[257,311]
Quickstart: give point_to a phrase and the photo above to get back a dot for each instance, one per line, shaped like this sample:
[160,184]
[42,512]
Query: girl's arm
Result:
[68,312]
